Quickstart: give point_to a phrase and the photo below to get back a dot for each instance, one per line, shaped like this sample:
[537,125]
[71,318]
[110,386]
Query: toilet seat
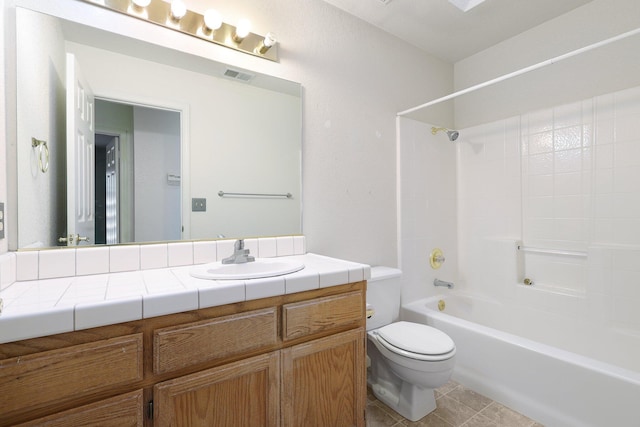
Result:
[416,341]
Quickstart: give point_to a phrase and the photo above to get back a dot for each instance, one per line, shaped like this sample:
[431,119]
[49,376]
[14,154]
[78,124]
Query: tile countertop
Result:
[45,307]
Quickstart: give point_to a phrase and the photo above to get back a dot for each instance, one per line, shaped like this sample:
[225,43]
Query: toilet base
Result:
[410,401]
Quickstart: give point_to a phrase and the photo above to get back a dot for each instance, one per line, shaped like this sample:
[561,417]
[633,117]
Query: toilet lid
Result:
[417,338]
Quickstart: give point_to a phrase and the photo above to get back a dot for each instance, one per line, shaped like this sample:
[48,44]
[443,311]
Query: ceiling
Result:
[443,30]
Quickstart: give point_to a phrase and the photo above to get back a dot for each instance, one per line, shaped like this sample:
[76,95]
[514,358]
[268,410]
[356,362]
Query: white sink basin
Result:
[261,267]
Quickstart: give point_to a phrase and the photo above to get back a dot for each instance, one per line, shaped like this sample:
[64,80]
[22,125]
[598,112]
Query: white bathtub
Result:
[552,386]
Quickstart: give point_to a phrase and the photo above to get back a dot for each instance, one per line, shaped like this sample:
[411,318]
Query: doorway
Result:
[138,186]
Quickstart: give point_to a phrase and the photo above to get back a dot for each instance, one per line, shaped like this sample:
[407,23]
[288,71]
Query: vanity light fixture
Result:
[174,15]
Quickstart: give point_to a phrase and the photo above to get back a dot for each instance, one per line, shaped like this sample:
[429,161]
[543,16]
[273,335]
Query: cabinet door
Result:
[324,382]
[120,411]
[243,393]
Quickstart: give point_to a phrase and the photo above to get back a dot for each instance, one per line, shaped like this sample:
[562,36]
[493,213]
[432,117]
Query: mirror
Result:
[236,171]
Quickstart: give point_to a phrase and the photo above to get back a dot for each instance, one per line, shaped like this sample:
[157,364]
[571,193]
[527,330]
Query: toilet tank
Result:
[383,296]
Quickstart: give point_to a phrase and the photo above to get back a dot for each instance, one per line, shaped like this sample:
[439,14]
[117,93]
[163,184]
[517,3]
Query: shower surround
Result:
[565,178]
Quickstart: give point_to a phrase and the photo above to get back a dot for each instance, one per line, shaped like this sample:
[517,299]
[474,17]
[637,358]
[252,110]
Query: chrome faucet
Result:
[240,254]
[438,282]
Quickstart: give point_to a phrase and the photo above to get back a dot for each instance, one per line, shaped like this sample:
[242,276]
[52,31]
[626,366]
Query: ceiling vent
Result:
[237,75]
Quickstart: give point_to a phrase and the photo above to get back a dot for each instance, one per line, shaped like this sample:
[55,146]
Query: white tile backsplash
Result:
[205,252]
[225,249]
[92,261]
[252,245]
[27,265]
[57,263]
[267,248]
[50,263]
[285,246]
[124,258]
[180,254]
[154,256]
[7,269]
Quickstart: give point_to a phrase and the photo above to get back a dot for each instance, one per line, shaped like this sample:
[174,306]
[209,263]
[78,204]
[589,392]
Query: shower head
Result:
[452,134]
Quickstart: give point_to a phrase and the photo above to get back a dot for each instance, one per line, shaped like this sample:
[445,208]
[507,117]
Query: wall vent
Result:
[237,75]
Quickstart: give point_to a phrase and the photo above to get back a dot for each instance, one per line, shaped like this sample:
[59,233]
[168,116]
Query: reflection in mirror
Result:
[239,135]
[137,177]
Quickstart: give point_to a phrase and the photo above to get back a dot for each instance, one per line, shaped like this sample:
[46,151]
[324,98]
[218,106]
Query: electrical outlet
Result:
[198,205]
[1,220]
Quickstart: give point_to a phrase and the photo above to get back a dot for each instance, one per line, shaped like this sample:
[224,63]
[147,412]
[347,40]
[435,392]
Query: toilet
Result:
[405,361]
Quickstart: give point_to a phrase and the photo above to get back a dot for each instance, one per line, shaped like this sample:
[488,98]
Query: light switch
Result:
[198,205]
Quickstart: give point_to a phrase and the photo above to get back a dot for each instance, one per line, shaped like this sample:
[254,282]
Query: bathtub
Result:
[553,386]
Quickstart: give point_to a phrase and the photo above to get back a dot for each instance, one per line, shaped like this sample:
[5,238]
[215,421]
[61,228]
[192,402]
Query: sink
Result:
[261,267]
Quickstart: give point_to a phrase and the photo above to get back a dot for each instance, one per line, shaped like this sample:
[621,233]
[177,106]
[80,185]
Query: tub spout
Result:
[438,282]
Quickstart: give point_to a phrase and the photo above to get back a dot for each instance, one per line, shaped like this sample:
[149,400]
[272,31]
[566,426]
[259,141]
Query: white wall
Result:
[427,205]
[605,70]
[355,79]
[156,153]
[41,61]
[7,17]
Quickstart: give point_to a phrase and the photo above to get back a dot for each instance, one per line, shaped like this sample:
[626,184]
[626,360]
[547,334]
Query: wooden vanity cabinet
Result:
[290,360]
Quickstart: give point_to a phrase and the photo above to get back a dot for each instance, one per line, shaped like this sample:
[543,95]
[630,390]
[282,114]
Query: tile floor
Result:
[457,406]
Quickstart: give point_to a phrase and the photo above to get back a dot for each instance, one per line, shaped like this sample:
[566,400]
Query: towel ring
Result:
[43,151]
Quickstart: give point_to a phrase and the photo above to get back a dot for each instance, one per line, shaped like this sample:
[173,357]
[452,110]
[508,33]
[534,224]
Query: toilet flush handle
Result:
[370,311]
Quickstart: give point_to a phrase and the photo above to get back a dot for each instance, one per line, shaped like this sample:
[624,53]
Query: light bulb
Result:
[267,43]
[242,30]
[142,3]
[270,39]
[212,19]
[178,9]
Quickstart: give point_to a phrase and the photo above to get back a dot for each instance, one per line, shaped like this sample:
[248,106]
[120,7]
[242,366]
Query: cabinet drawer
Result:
[120,411]
[322,314]
[37,380]
[190,344]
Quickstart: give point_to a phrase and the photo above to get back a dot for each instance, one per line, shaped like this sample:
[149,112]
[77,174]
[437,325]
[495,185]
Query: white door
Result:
[81,221]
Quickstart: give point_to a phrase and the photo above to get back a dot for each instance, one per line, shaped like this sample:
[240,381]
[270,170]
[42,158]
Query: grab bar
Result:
[227,194]
[580,254]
